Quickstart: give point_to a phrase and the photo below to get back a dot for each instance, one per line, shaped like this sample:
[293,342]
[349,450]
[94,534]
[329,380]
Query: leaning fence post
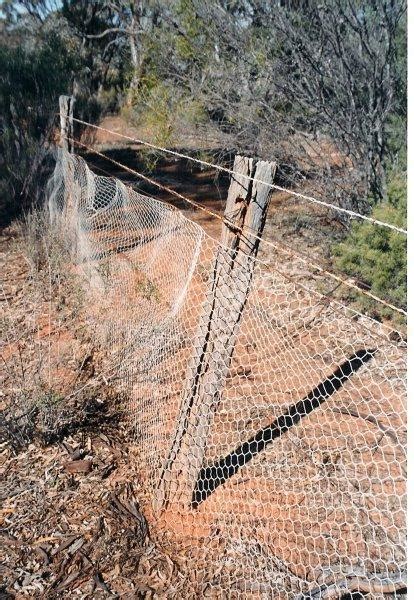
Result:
[245,213]
[66,122]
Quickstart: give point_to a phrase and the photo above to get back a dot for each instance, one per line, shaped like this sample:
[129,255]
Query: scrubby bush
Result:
[163,110]
[34,72]
[377,256]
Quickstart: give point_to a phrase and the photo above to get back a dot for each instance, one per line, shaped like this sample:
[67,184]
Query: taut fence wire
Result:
[271,425]
[204,163]
[225,219]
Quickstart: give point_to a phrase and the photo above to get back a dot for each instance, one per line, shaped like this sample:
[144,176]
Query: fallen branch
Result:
[369,418]
[396,583]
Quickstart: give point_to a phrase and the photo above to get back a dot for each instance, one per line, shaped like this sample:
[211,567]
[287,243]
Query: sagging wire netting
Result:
[271,424]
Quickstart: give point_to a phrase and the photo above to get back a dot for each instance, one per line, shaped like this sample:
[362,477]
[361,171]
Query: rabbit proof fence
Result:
[271,423]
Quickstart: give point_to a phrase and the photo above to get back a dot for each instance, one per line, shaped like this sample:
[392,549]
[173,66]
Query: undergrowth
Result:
[50,387]
[377,257]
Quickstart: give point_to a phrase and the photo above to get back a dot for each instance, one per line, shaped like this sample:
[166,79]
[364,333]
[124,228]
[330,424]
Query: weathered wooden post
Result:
[66,122]
[71,188]
[246,208]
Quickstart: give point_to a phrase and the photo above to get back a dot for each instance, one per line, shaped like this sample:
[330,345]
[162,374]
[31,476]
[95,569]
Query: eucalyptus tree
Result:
[316,85]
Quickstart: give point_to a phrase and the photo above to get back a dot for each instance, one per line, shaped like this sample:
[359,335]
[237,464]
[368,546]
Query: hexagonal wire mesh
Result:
[274,453]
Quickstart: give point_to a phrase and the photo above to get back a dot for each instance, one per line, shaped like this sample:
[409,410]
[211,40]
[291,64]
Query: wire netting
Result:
[270,421]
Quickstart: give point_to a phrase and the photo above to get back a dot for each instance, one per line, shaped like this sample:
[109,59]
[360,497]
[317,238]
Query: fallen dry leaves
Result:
[71,524]
[79,533]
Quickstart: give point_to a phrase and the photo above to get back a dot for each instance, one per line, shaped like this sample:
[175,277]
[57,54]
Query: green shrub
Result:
[377,256]
[164,113]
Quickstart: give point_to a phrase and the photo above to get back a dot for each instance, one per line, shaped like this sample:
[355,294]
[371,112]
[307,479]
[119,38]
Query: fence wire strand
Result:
[334,207]
[224,219]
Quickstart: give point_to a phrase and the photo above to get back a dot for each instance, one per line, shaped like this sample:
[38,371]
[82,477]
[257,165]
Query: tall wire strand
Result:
[228,222]
[346,211]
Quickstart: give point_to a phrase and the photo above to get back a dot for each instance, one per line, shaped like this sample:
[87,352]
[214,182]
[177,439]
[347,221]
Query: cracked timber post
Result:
[218,328]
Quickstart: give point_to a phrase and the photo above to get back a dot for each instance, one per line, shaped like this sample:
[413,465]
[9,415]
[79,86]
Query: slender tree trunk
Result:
[137,59]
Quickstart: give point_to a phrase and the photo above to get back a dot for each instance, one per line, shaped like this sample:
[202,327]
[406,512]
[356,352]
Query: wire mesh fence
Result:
[270,421]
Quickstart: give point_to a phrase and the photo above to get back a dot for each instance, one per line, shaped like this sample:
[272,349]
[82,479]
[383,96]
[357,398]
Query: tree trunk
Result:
[136,60]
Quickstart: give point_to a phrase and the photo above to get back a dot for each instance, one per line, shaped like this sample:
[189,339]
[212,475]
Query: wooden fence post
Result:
[66,122]
[246,207]
[72,190]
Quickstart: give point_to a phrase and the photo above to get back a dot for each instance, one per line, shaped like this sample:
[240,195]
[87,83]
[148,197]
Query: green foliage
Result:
[152,109]
[377,256]
[162,110]
[31,79]
[396,129]
[193,43]
[157,108]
